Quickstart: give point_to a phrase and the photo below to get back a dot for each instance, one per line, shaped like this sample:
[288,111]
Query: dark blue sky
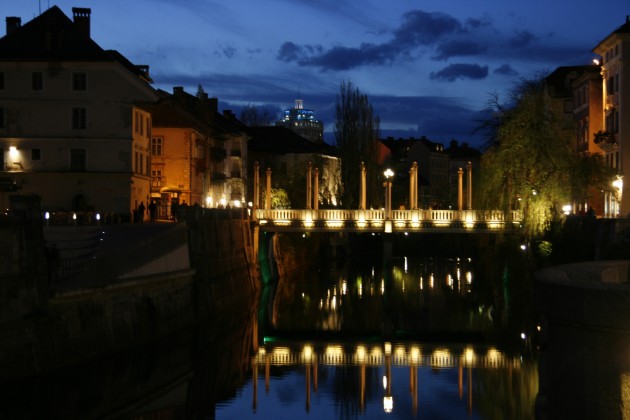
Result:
[427,66]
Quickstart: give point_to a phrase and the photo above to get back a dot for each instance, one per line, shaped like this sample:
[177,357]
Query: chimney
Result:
[214,104]
[13,24]
[81,18]
[178,90]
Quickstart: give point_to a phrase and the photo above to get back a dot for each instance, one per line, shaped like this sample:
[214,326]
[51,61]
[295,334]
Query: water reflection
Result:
[427,295]
[408,379]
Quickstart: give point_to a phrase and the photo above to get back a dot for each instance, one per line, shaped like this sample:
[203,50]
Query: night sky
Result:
[429,67]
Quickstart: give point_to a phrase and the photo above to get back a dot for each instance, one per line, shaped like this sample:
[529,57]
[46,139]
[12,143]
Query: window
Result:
[36,154]
[79,118]
[2,124]
[1,80]
[156,178]
[140,167]
[156,146]
[79,81]
[77,160]
[37,80]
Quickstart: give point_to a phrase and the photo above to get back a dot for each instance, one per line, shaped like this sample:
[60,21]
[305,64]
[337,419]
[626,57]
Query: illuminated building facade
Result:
[73,124]
[198,155]
[288,155]
[615,137]
[303,122]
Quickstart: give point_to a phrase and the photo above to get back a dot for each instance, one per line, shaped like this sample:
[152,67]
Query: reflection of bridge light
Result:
[431,281]
[469,355]
[360,287]
[344,287]
[468,277]
[384,382]
[493,356]
[334,352]
[361,354]
[376,352]
[405,263]
[382,286]
[421,283]
[415,355]
[334,303]
[440,358]
[307,353]
[449,280]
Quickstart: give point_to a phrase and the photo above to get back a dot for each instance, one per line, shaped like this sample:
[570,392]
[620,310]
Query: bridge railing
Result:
[370,218]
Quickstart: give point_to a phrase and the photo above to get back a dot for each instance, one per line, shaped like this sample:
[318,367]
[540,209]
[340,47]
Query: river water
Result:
[430,335]
[417,336]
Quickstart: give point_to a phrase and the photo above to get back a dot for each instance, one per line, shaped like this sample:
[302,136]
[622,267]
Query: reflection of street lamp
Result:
[388,399]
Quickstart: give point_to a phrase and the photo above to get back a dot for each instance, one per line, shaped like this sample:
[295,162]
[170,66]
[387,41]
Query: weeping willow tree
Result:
[356,134]
[531,162]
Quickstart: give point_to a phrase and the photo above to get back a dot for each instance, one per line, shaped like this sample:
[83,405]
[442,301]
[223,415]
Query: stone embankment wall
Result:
[46,334]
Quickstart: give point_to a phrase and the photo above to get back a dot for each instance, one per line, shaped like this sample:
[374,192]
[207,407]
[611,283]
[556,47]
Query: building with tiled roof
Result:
[74,128]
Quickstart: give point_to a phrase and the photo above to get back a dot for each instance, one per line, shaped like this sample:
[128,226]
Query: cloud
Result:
[505,70]
[458,49]
[460,71]
[418,29]
[422,28]
[522,39]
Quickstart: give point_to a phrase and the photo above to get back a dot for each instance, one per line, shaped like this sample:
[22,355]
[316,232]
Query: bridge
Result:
[401,221]
[312,219]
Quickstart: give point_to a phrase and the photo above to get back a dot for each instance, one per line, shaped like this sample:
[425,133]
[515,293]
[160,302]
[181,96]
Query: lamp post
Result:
[389,174]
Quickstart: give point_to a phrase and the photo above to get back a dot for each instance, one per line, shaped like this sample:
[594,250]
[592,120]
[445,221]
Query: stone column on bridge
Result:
[316,189]
[309,169]
[460,189]
[256,199]
[469,185]
[413,186]
[362,193]
[268,190]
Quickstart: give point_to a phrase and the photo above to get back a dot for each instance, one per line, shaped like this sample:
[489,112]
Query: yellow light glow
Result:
[388,348]
[469,355]
[307,352]
[415,355]
[388,404]
[361,354]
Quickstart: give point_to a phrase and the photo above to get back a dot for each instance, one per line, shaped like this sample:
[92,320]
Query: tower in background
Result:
[303,122]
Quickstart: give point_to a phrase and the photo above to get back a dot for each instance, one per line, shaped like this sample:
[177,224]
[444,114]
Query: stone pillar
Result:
[268,190]
[309,169]
[256,200]
[363,200]
[415,185]
[469,190]
[316,190]
[411,188]
[460,189]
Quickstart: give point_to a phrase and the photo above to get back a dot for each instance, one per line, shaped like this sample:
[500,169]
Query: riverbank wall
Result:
[208,272]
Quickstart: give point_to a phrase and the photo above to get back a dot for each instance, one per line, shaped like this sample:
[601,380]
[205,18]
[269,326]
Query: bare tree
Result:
[356,134]
[255,116]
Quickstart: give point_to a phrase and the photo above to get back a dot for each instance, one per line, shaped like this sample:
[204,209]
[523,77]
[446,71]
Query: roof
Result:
[185,110]
[281,140]
[52,36]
